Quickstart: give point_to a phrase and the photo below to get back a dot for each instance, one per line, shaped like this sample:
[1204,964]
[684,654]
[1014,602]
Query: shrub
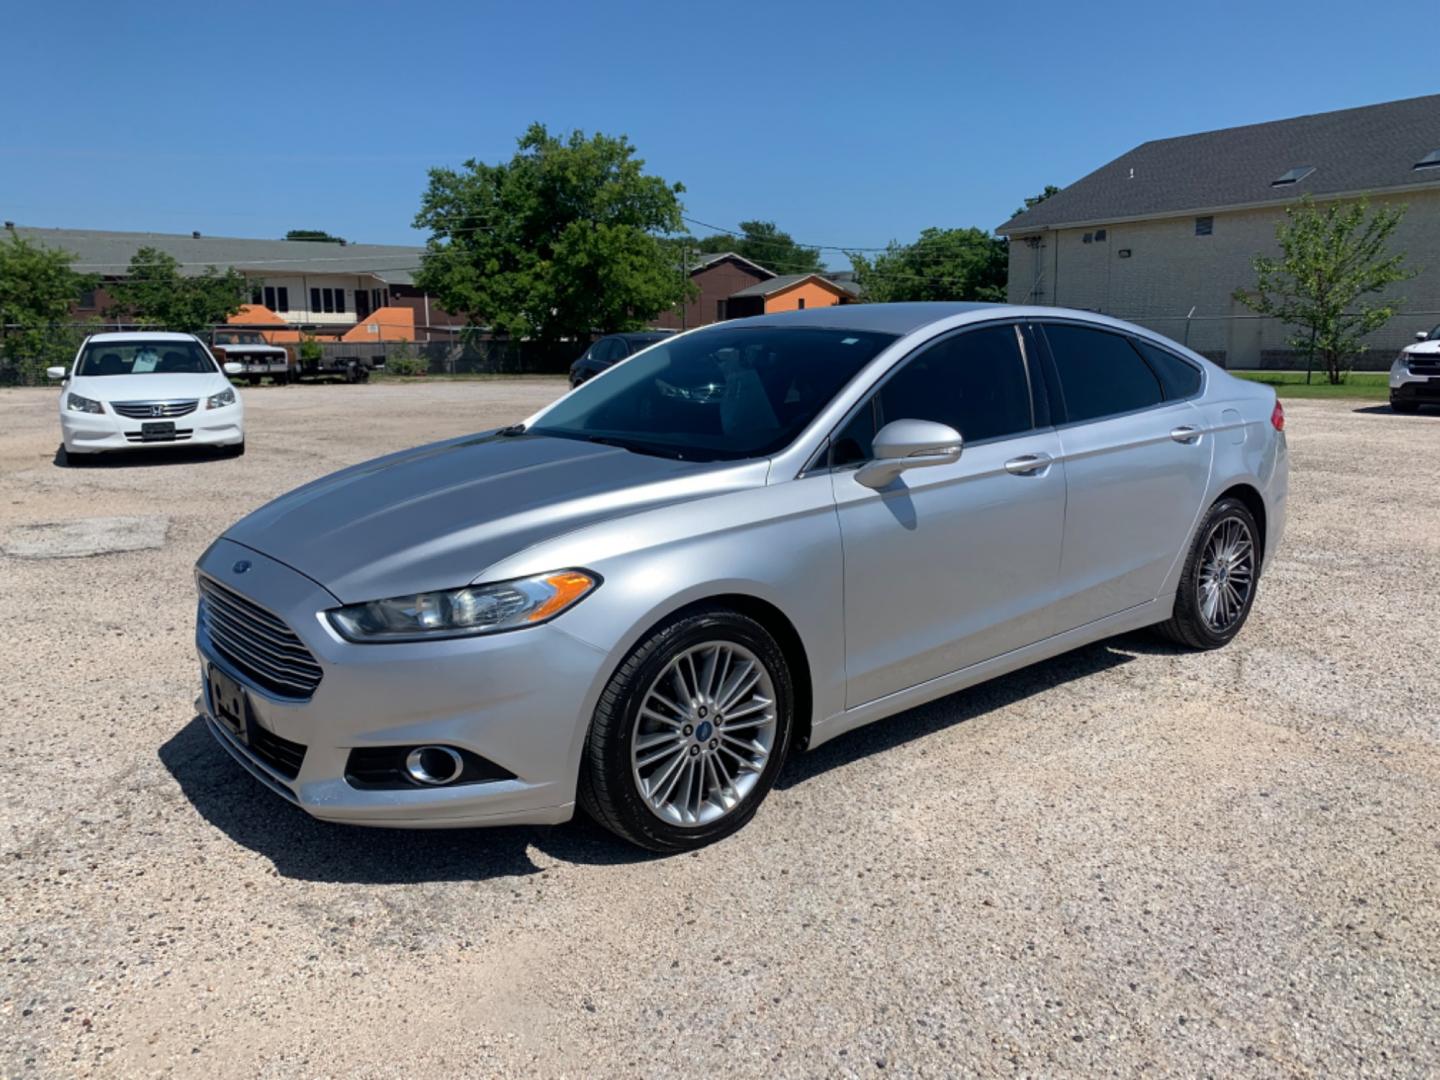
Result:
[405,362]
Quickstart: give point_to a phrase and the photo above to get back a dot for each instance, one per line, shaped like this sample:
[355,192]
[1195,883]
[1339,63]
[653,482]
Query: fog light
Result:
[434,765]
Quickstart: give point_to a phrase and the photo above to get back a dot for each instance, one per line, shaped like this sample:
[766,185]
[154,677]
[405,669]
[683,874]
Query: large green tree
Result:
[38,289]
[154,292]
[558,242]
[1032,201]
[1333,261]
[765,243]
[943,264]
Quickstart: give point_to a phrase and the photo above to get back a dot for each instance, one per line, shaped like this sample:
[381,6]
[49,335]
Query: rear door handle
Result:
[1185,434]
[1026,464]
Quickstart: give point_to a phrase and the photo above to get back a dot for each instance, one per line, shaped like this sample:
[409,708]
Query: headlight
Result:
[475,609]
[220,400]
[76,403]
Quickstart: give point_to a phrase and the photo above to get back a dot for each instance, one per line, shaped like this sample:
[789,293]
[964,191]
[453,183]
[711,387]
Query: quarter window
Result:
[1100,374]
[1178,378]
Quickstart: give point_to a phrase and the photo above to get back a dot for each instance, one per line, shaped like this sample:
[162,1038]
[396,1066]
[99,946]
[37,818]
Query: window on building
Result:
[1099,235]
[314,300]
[282,297]
[270,298]
[327,301]
[800,304]
[255,297]
[1100,374]
[1292,176]
[1087,238]
[87,299]
[1429,161]
[1204,226]
[340,301]
[374,299]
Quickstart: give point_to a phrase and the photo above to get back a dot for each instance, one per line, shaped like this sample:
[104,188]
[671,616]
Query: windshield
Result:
[1434,334]
[160,357]
[722,393]
[233,337]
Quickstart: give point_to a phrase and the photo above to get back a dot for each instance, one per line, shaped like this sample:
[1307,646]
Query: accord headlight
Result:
[76,403]
[220,400]
[475,609]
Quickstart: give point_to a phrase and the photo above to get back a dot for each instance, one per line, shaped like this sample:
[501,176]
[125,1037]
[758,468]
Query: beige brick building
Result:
[1164,234]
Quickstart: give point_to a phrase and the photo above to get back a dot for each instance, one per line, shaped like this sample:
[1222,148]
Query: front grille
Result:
[257,643]
[181,434]
[1425,365]
[154,410]
[282,755]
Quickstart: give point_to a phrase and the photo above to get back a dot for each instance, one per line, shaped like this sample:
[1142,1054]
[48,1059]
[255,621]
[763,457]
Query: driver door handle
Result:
[1185,433]
[1027,464]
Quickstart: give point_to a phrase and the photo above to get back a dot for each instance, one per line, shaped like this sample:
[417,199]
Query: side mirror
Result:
[56,373]
[232,368]
[908,444]
[1421,335]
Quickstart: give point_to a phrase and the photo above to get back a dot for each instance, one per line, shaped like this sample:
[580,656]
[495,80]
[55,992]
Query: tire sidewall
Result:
[1225,508]
[620,723]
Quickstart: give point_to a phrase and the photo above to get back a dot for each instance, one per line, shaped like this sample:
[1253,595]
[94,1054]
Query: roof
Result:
[708,260]
[1353,151]
[883,318]
[785,281]
[142,335]
[108,253]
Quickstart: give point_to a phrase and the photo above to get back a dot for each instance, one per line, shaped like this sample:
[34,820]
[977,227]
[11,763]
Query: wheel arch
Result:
[1254,502]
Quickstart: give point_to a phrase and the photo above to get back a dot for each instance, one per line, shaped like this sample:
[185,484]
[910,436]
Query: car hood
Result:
[151,387]
[1424,348]
[437,516]
[251,350]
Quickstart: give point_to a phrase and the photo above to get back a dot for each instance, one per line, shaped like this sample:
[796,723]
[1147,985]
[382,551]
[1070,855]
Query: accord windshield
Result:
[723,393]
[159,357]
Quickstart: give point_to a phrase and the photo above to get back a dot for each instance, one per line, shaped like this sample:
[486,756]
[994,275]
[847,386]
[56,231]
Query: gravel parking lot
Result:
[1129,859]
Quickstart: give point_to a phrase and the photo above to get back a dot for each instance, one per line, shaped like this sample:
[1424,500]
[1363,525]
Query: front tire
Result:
[1217,586]
[1405,407]
[234,450]
[690,733]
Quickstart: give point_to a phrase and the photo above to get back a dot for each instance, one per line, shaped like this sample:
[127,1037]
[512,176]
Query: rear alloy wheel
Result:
[690,733]
[1217,586]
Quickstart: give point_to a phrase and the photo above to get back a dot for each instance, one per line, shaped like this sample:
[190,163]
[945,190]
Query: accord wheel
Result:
[1217,586]
[690,733]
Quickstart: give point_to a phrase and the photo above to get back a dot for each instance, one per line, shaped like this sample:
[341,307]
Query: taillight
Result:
[1277,416]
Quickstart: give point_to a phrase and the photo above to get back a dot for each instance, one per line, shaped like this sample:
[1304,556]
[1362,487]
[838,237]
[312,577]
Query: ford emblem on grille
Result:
[241,566]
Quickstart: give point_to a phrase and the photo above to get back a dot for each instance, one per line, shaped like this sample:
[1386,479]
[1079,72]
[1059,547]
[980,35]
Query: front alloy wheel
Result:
[690,733]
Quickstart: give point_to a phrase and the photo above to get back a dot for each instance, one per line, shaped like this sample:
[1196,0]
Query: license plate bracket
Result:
[158,431]
[227,698]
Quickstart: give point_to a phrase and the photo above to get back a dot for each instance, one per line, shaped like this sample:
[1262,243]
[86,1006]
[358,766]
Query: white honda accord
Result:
[147,389]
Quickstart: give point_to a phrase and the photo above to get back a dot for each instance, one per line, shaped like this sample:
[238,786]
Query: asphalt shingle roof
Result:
[108,253]
[784,281]
[1369,149]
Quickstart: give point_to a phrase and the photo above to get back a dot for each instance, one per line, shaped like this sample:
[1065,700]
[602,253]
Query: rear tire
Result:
[624,787]
[1217,586]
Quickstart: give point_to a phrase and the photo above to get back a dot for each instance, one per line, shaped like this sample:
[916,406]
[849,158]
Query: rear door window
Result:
[1100,374]
[1179,378]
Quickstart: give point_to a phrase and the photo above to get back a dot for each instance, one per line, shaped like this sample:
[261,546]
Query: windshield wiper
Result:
[635,447]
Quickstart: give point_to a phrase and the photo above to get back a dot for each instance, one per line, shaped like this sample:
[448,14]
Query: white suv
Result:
[128,391]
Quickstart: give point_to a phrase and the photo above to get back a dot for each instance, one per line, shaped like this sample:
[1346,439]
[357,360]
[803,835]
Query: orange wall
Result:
[384,324]
[814,294]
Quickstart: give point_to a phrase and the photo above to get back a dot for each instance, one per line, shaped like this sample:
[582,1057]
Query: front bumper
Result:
[520,699]
[87,433]
[1417,389]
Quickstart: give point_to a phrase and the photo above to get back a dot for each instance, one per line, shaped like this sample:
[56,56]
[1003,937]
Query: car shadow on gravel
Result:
[1386,410]
[309,850]
[129,459]
[965,705]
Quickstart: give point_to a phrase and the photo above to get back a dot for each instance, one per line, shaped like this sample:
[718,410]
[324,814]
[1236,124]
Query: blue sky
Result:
[849,124]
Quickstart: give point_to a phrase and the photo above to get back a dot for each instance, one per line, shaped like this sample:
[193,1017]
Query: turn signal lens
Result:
[1277,416]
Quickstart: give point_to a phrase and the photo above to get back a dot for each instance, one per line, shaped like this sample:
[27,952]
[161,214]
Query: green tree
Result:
[943,264]
[156,293]
[38,288]
[1331,260]
[313,234]
[765,243]
[556,243]
[1035,200]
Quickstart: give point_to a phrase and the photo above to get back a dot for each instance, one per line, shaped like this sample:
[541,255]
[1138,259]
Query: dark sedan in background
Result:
[610,350]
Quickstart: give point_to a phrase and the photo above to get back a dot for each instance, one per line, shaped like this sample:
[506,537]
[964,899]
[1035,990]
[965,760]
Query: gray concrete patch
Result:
[88,536]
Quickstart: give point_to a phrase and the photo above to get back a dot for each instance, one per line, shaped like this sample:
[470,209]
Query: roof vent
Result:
[195,235]
[1292,176]
[1429,161]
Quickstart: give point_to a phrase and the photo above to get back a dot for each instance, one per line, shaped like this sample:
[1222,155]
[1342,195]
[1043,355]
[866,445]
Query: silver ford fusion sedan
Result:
[742,541]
